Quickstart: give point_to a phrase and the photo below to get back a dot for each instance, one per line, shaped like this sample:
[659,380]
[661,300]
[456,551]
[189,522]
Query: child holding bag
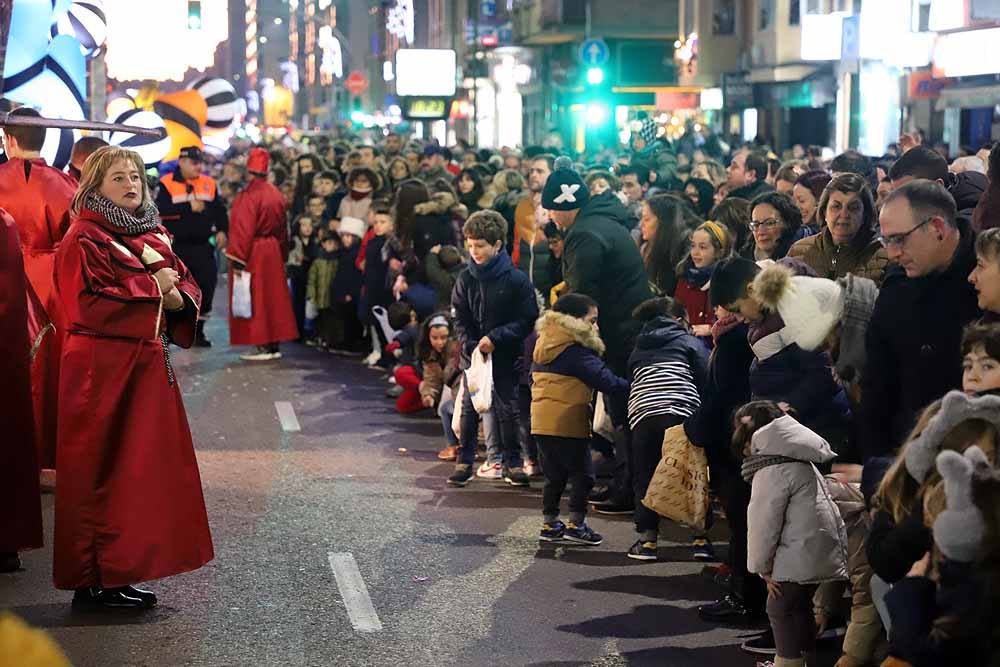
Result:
[796,538]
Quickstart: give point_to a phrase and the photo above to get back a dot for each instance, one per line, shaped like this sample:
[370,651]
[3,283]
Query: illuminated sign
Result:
[425,72]
[426,108]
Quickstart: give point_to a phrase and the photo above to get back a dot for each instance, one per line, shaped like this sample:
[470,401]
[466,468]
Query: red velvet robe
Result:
[39,204]
[131,508]
[258,239]
[20,503]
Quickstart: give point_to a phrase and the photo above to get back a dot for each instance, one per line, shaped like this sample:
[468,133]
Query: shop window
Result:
[794,12]
[724,17]
[766,11]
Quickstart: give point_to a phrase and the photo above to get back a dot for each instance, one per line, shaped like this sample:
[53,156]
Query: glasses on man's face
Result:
[899,240]
[770,223]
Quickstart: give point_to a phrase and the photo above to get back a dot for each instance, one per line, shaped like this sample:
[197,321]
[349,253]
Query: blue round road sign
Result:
[594,52]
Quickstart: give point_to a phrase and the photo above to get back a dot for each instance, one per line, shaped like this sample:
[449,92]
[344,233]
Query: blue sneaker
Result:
[552,532]
[582,534]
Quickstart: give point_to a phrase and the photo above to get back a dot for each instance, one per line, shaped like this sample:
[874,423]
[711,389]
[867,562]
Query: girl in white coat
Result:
[796,536]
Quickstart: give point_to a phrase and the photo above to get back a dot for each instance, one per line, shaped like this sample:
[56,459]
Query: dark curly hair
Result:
[789,214]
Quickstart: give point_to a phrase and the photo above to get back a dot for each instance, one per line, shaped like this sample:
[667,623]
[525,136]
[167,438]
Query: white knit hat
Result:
[354,226]
[810,307]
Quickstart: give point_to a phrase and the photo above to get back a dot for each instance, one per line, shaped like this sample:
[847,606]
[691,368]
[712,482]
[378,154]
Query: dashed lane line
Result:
[354,593]
[286,415]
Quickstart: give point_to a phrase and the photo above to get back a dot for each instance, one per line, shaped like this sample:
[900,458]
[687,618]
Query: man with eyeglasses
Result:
[914,337]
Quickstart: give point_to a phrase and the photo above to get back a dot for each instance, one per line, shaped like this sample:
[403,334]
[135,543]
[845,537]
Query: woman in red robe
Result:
[258,244]
[132,508]
[20,503]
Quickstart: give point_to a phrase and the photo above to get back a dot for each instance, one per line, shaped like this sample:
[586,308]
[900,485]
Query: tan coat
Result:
[864,256]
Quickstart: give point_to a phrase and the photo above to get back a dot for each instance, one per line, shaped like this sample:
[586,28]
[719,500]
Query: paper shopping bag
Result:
[679,488]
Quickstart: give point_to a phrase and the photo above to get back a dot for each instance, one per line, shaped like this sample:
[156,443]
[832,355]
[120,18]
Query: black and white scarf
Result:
[123,221]
[756,462]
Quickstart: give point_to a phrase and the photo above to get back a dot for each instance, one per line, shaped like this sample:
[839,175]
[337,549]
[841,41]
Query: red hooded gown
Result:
[258,239]
[38,198]
[132,509]
[20,503]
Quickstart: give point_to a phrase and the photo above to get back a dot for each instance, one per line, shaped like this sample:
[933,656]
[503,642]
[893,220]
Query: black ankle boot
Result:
[199,335]
[107,598]
[10,562]
[146,596]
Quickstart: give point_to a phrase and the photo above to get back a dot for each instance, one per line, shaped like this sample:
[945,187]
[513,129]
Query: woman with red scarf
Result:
[132,509]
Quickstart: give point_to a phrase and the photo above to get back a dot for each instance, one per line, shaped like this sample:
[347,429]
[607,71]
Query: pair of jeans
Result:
[529,445]
[565,460]
[647,450]
[792,621]
[504,405]
[446,411]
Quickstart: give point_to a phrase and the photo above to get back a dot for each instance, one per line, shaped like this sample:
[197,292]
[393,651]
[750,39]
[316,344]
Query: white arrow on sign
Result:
[594,52]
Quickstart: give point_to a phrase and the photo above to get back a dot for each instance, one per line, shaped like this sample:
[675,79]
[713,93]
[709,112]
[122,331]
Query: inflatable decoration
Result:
[152,149]
[58,146]
[85,21]
[183,113]
[220,96]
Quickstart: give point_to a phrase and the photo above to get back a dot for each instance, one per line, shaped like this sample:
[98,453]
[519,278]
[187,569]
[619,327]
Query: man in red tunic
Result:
[37,197]
[21,517]
[258,245]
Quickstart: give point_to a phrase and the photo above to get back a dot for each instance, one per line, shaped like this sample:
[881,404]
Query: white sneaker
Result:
[262,355]
[487,471]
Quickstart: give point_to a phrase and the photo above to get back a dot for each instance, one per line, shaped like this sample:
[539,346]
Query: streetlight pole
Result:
[475,76]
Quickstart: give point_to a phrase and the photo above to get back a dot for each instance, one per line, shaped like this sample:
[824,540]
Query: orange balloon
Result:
[183,113]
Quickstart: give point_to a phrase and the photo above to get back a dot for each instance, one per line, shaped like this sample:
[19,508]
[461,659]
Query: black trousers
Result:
[529,446]
[347,314]
[565,460]
[647,450]
[734,493]
[200,260]
[299,277]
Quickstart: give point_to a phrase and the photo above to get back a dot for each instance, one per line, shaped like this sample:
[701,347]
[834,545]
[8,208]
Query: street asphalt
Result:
[454,576]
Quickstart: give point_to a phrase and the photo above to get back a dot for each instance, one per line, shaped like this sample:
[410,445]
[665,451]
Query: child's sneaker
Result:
[461,476]
[703,549]
[488,471]
[582,534]
[643,550]
[552,532]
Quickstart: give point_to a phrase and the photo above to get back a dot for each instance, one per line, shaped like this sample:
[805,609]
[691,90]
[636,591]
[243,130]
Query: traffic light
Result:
[194,15]
[596,114]
[595,76]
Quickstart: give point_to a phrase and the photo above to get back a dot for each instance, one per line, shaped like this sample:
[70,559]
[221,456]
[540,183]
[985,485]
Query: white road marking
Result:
[354,593]
[286,415]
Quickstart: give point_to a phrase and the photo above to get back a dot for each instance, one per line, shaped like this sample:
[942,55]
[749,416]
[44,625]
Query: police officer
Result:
[193,212]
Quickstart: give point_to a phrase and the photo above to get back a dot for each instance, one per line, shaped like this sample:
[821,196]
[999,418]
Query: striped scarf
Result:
[123,221]
[756,462]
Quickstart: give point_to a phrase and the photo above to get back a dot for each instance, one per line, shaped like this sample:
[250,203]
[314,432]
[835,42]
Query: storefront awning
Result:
[968,98]
[781,73]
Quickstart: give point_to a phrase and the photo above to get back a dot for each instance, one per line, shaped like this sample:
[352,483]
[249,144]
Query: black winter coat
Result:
[913,347]
[348,281]
[377,290]
[601,260]
[494,300]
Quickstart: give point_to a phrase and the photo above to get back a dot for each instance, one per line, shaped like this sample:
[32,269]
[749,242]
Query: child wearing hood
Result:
[346,287]
[666,371]
[362,183]
[796,537]
[567,369]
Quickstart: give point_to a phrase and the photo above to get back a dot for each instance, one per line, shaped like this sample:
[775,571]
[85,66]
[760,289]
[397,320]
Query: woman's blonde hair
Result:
[900,494]
[96,168]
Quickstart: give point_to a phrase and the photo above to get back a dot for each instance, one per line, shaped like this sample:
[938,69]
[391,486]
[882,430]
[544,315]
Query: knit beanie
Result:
[810,307]
[859,303]
[354,226]
[647,130]
[564,190]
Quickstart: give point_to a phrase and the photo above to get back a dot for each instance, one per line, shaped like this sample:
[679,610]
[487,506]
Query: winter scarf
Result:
[756,462]
[357,195]
[724,326]
[697,277]
[123,221]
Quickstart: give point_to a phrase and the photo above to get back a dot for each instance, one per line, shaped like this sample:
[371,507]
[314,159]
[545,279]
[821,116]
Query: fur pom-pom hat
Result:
[810,307]
[921,453]
[960,528]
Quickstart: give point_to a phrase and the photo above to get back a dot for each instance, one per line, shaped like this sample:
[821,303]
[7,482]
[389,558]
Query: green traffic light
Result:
[595,76]
[596,114]
[358,116]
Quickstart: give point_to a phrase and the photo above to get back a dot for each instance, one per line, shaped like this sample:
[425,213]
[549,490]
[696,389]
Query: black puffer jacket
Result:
[913,346]
[967,188]
[601,260]
[496,300]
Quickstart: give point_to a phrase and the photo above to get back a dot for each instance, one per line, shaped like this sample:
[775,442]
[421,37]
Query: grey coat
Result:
[795,532]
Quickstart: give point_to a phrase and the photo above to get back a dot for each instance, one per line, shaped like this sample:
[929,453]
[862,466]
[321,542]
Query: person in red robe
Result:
[132,508]
[21,517]
[37,197]
[258,244]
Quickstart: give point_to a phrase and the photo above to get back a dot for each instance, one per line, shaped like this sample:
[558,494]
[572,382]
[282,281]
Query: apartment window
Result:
[724,17]
[921,17]
[815,7]
[766,14]
[794,12]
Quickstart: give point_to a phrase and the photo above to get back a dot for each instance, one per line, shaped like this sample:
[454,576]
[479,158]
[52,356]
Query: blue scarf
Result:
[698,277]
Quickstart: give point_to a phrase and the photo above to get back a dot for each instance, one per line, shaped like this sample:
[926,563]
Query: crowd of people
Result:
[825,331]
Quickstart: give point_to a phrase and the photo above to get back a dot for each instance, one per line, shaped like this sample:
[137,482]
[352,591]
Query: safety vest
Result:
[202,188]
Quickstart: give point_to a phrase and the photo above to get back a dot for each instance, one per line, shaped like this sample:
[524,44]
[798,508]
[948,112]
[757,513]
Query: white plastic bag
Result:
[242,305]
[603,426]
[479,381]
[456,417]
[312,312]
